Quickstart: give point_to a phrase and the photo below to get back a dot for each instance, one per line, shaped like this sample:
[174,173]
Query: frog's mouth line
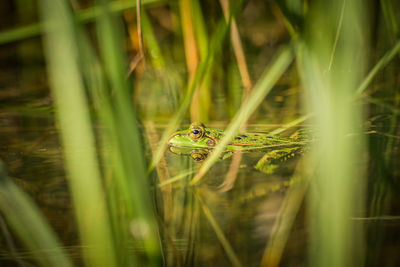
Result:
[189,150]
[200,148]
[190,147]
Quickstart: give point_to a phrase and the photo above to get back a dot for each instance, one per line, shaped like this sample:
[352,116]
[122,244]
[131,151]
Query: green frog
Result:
[198,141]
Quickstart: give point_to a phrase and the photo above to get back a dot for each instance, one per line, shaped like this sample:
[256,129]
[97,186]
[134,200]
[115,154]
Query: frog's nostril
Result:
[171,142]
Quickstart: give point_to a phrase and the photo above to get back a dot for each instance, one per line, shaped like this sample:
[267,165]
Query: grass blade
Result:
[83,16]
[261,89]
[201,70]
[337,188]
[77,136]
[36,235]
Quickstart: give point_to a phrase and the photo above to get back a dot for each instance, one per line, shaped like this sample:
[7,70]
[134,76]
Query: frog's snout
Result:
[176,141]
[172,141]
[169,143]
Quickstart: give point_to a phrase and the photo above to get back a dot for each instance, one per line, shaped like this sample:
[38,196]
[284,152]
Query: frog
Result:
[198,141]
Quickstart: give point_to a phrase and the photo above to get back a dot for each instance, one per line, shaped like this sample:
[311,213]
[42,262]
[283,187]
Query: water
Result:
[250,217]
[245,211]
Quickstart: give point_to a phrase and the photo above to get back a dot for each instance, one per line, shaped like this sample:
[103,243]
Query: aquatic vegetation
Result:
[86,120]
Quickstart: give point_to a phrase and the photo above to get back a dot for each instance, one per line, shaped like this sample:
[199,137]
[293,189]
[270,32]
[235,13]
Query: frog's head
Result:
[197,136]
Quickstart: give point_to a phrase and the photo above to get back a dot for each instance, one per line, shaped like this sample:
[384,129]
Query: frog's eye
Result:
[198,157]
[196,132]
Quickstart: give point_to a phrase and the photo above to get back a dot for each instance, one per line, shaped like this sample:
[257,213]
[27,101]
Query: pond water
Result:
[245,210]
[236,215]
[217,223]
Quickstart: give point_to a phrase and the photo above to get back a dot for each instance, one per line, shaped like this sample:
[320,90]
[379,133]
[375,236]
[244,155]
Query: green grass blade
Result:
[201,70]
[261,89]
[290,124]
[218,231]
[83,16]
[130,179]
[337,187]
[176,178]
[77,136]
[379,66]
[151,42]
[286,217]
[27,223]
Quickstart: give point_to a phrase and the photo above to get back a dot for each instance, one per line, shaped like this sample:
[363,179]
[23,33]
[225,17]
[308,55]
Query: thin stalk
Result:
[83,16]
[338,30]
[215,46]
[287,214]
[139,30]
[201,102]
[218,231]
[238,49]
[189,39]
[176,178]
[389,55]
[289,125]
[247,84]
[382,63]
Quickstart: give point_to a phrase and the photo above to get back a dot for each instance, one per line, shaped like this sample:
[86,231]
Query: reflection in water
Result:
[236,223]
[34,161]
[198,225]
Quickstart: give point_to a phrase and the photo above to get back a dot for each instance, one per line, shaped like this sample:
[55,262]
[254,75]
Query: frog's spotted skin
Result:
[198,141]
[210,137]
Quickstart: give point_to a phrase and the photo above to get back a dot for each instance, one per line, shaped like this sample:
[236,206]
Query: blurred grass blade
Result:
[201,101]
[176,178]
[294,14]
[337,188]
[76,132]
[260,91]
[389,10]
[290,124]
[131,192]
[195,44]
[83,16]
[378,66]
[27,223]
[237,48]
[218,231]
[151,42]
[286,217]
[201,70]
[189,37]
